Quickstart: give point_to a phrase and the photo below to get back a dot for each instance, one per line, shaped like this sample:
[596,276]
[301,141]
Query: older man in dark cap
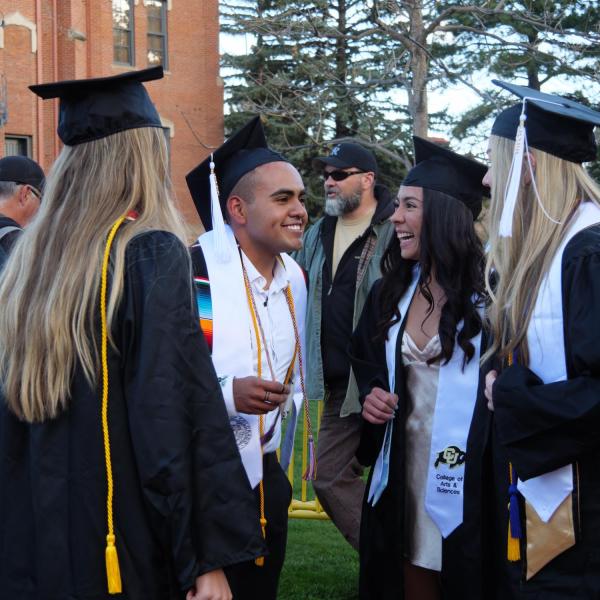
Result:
[341,255]
[21,183]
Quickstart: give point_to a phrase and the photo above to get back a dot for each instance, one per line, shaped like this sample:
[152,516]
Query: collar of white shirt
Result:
[280,277]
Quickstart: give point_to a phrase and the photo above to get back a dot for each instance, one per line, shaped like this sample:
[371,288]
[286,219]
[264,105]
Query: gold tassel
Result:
[513,550]
[260,561]
[113,573]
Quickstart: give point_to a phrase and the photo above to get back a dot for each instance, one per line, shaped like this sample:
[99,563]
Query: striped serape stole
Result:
[204,300]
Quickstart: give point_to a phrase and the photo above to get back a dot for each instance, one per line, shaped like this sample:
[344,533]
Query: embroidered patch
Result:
[452,456]
[335,151]
[241,431]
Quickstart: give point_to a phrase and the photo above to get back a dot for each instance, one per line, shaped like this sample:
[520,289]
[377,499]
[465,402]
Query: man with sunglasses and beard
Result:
[21,182]
[341,255]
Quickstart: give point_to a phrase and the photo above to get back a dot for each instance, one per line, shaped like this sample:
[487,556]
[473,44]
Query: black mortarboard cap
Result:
[243,152]
[91,109]
[22,170]
[438,168]
[556,125]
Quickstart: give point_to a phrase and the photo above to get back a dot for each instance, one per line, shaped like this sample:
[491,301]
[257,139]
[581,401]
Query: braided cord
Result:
[260,561]
[112,561]
[311,470]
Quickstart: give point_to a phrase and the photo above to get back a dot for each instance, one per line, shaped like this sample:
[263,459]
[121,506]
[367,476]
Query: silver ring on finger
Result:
[266,398]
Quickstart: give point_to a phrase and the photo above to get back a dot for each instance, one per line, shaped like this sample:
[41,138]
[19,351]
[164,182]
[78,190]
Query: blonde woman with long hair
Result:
[118,470]
[534,448]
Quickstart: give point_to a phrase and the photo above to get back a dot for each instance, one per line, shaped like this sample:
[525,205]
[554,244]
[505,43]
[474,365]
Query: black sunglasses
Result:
[340,175]
[34,191]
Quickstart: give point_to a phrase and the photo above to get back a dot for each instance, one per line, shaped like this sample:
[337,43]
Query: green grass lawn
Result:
[319,564]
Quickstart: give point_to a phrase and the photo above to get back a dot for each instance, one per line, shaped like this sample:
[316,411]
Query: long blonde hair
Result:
[518,264]
[50,285]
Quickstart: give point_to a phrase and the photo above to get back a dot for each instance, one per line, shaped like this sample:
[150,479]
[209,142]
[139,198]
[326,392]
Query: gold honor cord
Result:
[256,325]
[258,332]
[311,470]
[113,573]
[260,561]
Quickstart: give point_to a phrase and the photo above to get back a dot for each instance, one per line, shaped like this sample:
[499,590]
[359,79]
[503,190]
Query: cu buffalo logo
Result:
[452,456]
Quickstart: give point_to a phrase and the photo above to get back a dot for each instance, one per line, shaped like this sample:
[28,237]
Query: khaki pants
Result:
[339,485]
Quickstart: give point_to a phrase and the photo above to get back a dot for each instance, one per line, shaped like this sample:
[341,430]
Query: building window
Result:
[17,145]
[157,32]
[123,51]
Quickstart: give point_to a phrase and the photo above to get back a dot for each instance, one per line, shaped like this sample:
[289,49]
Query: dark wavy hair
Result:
[449,244]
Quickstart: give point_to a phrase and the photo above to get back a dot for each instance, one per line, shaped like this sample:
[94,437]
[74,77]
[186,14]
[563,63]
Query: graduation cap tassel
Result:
[513,550]
[514,521]
[113,573]
[222,249]
[311,467]
[514,179]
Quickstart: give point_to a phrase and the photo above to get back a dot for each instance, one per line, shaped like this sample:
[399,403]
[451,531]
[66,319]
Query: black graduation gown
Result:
[382,526]
[182,502]
[541,427]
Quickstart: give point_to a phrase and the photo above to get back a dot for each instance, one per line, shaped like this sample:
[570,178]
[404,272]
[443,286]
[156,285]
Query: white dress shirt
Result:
[274,315]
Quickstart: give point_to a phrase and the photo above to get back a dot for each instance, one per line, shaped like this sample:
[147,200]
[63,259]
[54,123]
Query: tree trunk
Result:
[419,67]
[342,121]
[533,71]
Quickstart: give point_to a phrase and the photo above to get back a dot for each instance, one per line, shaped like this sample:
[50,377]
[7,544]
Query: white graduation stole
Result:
[454,405]
[232,344]
[545,338]
[455,401]
[232,351]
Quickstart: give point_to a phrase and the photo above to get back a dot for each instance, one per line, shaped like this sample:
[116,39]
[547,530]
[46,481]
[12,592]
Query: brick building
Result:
[49,40]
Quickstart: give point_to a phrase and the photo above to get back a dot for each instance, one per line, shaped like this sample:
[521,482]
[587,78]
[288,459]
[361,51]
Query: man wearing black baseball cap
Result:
[21,183]
[341,255]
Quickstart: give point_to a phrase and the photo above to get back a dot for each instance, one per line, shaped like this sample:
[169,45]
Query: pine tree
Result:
[316,75]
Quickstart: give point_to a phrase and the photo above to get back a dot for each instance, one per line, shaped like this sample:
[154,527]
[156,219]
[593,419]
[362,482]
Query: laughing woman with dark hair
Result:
[415,354]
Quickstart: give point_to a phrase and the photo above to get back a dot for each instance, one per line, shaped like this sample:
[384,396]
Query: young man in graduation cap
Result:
[252,299]
[119,474]
[534,446]
[415,354]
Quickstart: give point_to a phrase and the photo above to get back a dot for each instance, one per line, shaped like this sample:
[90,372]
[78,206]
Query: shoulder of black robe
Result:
[367,357]
[546,426]
[196,460]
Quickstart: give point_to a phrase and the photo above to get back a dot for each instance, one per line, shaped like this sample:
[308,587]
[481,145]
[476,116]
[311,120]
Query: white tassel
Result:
[222,249]
[514,180]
